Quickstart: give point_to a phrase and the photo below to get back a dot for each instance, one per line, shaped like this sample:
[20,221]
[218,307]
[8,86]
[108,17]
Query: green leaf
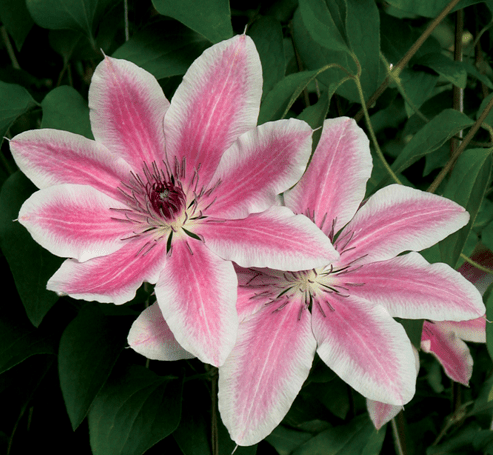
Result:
[164,48]
[286,440]
[319,22]
[19,340]
[88,350]
[489,118]
[31,265]
[454,72]
[194,420]
[134,410]
[16,100]
[315,115]
[488,301]
[428,8]
[279,100]
[16,19]
[413,328]
[65,109]
[350,439]
[267,35]
[333,395]
[460,442]
[417,86]
[210,18]
[362,27]
[82,15]
[467,185]
[432,136]
[315,56]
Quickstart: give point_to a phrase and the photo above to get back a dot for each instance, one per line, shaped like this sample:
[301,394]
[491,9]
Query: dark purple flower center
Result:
[166,198]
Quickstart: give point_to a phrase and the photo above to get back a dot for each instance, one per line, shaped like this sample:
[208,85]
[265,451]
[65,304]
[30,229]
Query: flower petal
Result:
[73,221]
[381,413]
[113,278]
[334,184]
[217,101]
[473,330]
[450,351]
[196,292]
[410,287]
[265,371]
[127,108]
[366,348]
[261,164]
[275,238]
[52,157]
[398,218]
[151,336]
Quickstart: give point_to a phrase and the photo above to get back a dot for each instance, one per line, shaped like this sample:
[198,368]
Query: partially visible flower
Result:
[171,193]
[445,340]
[343,311]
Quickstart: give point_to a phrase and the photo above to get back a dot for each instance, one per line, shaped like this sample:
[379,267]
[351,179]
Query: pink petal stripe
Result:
[73,221]
[265,371]
[381,413]
[398,218]
[113,278]
[409,287]
[151,337]
[275,238]
[366,348]
[263,163]
[472,330]
[450,351]
[196,292]
[334,184]
[127,108]
[217,101]
[51,157]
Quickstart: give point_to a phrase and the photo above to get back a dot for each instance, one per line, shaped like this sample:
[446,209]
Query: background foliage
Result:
[67,383]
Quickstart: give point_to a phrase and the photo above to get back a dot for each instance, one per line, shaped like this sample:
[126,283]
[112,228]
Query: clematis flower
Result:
[170,194]
[445,340]
[343,311]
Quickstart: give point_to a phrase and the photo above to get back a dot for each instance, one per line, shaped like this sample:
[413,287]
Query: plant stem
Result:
[398,432]
[372,133]
[433,187]
[457,92]
[409,54]
[475,264]
[10,49]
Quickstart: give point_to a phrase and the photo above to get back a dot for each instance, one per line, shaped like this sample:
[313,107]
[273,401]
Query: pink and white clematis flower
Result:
[171,193]
[343,311]
[445,340]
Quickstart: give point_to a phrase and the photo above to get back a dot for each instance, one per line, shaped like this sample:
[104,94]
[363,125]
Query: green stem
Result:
[409,54]
[475,264]
[398,433]
[372,133]
[433,187]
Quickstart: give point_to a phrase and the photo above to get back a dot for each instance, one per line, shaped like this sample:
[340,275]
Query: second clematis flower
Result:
[344,311]
[170,194]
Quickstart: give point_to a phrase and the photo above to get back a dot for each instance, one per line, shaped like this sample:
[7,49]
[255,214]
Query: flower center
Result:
[166,198]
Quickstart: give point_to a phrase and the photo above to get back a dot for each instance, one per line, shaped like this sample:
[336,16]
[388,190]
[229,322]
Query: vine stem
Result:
[433,187]
[405,60]
[397,432]
[370,128]
[475,264]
